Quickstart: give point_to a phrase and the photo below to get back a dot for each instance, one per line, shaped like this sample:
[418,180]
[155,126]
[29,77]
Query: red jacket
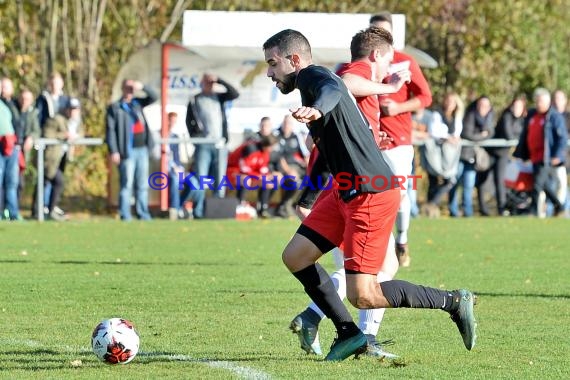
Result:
[248,159]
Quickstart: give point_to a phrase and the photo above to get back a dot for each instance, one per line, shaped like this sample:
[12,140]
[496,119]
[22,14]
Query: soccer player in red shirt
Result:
[396,120]
[359,215]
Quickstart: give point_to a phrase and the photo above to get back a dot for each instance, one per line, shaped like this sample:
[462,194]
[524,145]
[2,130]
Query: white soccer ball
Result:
[115,341]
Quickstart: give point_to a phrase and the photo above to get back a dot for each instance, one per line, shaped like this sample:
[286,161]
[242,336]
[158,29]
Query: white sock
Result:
[403,220]
[369,320]
[338,257]
[339,281]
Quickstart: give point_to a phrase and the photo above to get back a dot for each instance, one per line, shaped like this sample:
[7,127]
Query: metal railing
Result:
[41,145]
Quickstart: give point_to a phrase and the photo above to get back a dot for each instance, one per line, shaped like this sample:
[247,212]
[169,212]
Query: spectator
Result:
[130,141]
[543,141]
[509,127]
[293,156]
[560,102]
[66,127]
[265,193]
[440,153]
[8,189]
[52,100]
[191,191]
[477,126]
[206,117]
[30,125]
[252,159]
[11,171]
[265,127]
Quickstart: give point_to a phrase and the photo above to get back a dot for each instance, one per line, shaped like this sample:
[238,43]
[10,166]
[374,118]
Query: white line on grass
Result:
[243,372]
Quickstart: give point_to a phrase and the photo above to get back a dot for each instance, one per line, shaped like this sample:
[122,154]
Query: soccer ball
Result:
[115,341]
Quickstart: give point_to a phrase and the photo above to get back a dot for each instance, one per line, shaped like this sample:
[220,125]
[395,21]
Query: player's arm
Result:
[360,86]
[418,86]
[323,89]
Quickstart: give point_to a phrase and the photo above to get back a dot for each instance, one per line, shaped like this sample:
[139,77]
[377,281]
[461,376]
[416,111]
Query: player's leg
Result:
[364,292]
[306,323]
[320,232]
[300,257]
[401,160]
[369,320]
[368,222]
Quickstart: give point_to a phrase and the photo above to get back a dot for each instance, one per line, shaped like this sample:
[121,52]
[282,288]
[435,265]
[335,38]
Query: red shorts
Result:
[364,225]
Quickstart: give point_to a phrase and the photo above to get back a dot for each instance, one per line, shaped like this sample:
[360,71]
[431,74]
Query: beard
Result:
[288,83]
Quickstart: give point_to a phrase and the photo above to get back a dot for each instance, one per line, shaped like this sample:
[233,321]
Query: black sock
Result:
[404,294]
[240,194]
[320,288]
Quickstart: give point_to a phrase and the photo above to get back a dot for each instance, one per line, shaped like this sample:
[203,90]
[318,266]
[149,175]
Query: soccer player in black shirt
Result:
[360,213]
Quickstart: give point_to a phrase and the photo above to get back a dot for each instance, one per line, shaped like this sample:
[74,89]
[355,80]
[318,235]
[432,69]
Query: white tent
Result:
[229,44]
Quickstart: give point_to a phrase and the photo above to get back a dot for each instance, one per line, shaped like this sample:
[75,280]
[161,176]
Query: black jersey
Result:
[342,135]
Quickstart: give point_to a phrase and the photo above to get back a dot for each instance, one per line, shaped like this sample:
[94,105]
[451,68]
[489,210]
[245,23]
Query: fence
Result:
[42,143]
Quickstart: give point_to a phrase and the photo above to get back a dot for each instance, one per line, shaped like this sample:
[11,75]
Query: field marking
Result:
[241,371]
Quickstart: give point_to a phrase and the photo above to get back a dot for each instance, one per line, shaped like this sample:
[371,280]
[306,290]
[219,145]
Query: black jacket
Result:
[193,122]
[473,127]
[118,122]
[508,127]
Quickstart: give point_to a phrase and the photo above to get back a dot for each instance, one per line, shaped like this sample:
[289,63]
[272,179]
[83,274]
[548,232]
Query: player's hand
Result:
[384,141]
[389,107]
[400,78]
[305,114]
[302,212]
[555,161]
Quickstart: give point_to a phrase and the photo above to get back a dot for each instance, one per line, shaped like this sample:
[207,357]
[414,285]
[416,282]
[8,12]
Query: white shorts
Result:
[400,159]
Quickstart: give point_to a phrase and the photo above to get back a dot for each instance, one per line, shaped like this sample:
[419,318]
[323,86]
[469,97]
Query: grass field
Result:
[212,300]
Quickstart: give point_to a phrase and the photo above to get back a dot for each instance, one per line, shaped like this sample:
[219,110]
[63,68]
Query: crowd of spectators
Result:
[447,139]
[456,151]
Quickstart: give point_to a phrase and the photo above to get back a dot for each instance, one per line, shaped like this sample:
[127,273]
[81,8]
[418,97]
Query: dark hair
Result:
[382,17]
[266,141]
[367,40]
[264,118]
[172,114]
[521,96]
[289,42]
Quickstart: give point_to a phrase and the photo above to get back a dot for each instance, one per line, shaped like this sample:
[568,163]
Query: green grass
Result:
[212,300]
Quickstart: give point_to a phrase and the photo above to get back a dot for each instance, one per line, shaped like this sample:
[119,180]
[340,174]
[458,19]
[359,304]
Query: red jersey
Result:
[535,138]
[369,105]
[399,127]
[312,159]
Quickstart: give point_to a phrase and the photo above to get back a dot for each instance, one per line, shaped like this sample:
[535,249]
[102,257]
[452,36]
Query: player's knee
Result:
[361,301]
[288,258]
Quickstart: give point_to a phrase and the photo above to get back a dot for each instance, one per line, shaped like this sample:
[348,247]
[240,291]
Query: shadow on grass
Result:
[523,295]
[158,263]
[150,357]
[42,359]
[14,261]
